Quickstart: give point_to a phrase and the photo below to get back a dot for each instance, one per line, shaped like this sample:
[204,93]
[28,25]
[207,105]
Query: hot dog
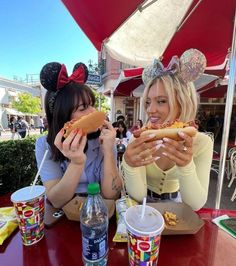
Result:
[87,123]
[168,130]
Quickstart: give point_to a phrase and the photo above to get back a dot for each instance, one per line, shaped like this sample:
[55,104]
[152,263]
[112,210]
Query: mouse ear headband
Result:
[188,67]
[54,77]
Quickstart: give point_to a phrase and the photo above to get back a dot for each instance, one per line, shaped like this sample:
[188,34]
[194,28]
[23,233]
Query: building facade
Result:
[9,91]
[129,107]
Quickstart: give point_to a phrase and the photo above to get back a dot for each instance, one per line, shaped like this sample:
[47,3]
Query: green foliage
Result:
[17,164]
[27,103]
[104,102]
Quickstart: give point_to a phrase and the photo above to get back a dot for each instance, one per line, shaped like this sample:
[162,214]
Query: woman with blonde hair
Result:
[167,169]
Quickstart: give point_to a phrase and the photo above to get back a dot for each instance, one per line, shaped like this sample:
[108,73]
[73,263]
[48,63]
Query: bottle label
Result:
[95,249]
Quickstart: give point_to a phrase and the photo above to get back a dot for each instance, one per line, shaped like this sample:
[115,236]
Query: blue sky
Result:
[35,32]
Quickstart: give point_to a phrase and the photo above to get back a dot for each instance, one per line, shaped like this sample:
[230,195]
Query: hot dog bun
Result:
[87,123]
[168,130]
[171,133]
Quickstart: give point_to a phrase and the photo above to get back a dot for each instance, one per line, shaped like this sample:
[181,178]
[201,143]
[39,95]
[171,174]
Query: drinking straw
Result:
[143,207]
[40,166]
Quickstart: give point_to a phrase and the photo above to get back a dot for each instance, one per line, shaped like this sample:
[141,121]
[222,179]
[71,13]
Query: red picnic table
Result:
[62,245]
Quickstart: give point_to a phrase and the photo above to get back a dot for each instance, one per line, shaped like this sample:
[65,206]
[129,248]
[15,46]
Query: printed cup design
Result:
[30,216]
[143,250]
[144,235]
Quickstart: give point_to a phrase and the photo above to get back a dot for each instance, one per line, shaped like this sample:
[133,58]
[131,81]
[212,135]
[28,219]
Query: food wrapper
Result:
[122,205]
[72,208]
[8,222]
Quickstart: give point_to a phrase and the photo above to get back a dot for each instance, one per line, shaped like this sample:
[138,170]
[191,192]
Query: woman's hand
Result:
[140,152]
[179,152]
[73,146]
[108,137]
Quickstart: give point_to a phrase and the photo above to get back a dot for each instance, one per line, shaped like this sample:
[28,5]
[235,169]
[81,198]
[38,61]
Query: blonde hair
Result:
[180,94]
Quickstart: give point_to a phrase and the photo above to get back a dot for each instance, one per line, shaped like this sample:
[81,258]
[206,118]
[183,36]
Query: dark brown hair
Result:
[67,101]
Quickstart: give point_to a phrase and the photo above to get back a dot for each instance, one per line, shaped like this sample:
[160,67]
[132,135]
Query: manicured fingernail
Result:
[166,139]
[158,146]
[159,141]
[156,158]
[181,133]
[151,136]
[164,153]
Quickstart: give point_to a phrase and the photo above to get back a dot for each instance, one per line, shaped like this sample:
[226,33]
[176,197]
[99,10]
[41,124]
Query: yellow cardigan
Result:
[191,180]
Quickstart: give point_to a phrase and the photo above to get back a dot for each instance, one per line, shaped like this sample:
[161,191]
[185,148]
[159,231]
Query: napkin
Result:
[8,222]
[217,222]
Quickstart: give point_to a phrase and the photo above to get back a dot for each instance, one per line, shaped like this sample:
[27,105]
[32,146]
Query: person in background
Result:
[11,125]
[201,121]
[213,125]
[79,159]
[138,124]
[122,133]
[167,169]
[119,118]
[45,124]
[41,125]
[122,138]
[21,126]
[32,123]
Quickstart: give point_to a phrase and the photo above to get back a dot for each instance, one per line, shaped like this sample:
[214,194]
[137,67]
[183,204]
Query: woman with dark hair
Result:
[122,138]
[122,132]
[74,162]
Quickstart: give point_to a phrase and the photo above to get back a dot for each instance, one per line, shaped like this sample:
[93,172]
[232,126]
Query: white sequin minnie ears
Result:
[188,67]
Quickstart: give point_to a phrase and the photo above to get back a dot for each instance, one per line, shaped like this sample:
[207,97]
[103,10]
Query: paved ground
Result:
[7,134]
[227,193]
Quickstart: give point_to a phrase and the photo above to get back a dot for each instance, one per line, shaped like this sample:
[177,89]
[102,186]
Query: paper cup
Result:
[144,235]
[29,209]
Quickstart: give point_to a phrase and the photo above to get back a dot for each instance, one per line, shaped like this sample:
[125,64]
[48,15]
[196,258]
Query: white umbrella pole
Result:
[227,118]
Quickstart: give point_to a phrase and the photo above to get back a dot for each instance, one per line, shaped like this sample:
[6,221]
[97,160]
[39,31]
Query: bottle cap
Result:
[93,188]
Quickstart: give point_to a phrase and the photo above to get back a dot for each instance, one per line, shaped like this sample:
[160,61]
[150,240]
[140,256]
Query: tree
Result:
[104,102]
[26,103]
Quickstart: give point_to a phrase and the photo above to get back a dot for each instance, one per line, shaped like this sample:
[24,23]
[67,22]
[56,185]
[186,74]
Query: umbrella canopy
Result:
[134,33]
[130,80]
[215,92]
[99,19]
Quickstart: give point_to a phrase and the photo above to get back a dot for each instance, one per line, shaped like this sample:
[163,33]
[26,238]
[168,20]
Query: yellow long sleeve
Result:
[191,180]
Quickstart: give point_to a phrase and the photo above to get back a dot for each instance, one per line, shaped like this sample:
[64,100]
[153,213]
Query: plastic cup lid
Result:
[24,194]
[151,224]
